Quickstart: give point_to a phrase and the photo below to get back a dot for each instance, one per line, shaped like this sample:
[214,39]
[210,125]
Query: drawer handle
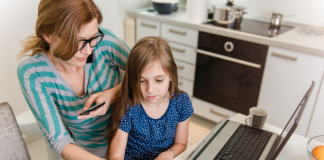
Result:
[178,50]
[180,83]
[148,25]
[284,56]
[220,114]
[177,32]
[180,67]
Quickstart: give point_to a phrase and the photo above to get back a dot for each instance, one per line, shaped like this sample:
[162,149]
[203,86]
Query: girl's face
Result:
[155,83]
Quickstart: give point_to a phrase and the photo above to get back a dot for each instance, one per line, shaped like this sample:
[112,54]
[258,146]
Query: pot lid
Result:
[229,7]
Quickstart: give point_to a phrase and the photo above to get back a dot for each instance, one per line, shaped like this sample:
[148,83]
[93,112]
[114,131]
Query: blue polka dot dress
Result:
[148,137]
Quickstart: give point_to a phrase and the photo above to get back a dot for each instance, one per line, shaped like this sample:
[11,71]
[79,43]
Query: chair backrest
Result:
[12,144]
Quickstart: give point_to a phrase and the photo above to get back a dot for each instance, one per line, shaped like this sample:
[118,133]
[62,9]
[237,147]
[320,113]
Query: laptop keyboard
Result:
[247,143]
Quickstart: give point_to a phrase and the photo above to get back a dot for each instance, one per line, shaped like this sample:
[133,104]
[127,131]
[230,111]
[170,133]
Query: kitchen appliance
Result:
[276,20]
[229,72]
[228,14]
[165,6]
[255,27]
[197,11]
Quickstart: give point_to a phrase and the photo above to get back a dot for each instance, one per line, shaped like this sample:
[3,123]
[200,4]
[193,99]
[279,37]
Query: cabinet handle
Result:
[250,64]
[148,25]
[284,56]
[177,32]
[220,114]
[178,50]
[180,83]
[180,67]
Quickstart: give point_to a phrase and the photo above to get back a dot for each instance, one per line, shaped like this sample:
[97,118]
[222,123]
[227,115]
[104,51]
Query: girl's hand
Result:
[167,155]
[105,96]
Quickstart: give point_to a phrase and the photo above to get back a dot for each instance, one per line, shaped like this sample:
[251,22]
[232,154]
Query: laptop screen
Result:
[293,122]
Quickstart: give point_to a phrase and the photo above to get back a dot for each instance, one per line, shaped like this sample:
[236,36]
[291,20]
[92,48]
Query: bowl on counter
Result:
[165,6]
[317,141]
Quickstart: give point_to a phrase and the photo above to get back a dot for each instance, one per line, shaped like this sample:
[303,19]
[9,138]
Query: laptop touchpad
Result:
[223,137]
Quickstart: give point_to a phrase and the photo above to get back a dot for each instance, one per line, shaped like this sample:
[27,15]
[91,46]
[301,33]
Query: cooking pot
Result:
[228,14]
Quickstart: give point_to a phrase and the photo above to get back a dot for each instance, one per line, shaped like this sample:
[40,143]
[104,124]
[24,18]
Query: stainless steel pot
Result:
[230,15]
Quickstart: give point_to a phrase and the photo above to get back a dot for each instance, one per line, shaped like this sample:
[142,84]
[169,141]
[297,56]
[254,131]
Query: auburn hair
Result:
[145,51]
[64,19]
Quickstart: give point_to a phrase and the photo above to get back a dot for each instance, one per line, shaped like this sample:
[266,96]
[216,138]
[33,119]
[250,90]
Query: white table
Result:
[295,149]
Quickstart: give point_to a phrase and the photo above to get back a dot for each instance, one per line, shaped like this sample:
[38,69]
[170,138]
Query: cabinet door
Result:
[287,77]
[146,28]
[316,125]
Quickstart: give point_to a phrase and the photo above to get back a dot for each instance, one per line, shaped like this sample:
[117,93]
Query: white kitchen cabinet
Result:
[186,86]
[316,125]
[180,34]
[146,28]
[287,77]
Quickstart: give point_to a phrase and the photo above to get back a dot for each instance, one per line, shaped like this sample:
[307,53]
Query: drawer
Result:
[146,28]
[186,86]
[186,70]
[183,53]
[211,111]
[179,34]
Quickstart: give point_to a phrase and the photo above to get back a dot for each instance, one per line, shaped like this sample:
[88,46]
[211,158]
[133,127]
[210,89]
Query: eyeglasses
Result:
[92,42]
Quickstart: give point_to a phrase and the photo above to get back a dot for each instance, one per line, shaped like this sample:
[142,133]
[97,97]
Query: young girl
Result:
[151,115]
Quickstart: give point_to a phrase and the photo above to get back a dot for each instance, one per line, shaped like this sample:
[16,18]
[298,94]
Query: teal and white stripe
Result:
[54,103]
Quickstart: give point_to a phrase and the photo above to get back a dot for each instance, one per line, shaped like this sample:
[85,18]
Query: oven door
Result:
[228,82]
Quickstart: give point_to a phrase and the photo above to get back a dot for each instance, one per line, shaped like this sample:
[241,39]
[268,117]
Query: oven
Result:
[229,72]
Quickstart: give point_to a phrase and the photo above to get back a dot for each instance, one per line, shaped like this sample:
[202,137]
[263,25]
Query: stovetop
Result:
[255,27]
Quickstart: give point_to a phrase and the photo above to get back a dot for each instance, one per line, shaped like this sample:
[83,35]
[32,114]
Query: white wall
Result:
[309,12]
[18,18]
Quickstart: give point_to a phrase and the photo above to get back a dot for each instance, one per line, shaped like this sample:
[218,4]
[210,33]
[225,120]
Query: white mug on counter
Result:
[257,117]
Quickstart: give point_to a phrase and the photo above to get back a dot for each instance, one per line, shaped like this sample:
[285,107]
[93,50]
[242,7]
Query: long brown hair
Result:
[64,19]
[145,51]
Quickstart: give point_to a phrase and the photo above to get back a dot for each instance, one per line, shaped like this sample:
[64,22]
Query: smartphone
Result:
[92,109]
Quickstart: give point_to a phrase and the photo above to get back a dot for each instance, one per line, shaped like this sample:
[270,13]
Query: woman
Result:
[74,64]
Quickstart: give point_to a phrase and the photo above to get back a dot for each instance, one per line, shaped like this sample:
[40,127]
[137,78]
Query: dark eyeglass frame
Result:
[89,40]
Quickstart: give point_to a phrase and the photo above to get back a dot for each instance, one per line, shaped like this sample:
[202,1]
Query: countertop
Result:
[290,40]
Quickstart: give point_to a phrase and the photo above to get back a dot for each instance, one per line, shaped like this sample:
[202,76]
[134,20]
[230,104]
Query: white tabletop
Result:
[295,149]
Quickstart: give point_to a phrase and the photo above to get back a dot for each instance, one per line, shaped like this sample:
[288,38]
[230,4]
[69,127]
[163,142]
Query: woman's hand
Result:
[167,155]
[104,96]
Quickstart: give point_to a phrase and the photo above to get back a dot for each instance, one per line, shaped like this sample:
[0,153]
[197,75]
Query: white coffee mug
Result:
[257,117]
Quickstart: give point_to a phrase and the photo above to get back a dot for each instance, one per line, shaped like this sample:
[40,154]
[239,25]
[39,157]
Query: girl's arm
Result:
[74,152]
[118,145]
[179,143]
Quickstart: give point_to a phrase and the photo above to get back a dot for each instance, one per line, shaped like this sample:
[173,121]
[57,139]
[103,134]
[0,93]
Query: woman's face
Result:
[87,31]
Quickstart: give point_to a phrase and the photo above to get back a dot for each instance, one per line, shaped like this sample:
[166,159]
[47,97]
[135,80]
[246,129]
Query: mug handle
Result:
[246,120]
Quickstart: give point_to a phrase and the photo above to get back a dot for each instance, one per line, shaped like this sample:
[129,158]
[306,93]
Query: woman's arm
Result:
[179,143]
[118,145]
[74,152]
[105,96]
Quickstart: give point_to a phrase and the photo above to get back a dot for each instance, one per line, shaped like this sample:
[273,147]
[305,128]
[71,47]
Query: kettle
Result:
[276,20]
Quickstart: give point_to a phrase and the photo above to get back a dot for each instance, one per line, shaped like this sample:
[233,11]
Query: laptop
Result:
[231,140]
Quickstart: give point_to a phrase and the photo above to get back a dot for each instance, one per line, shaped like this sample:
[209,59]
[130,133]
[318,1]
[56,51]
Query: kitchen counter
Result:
[290,40]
